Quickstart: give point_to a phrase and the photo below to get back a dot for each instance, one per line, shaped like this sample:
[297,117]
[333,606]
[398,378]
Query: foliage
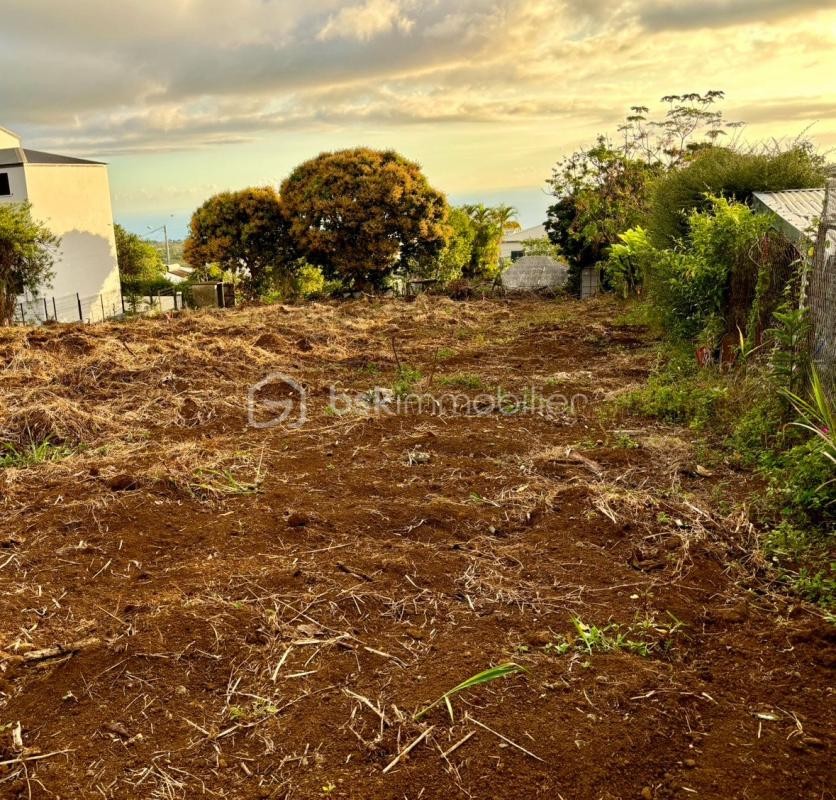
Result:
[735,175]
[32,453]
[690,400]
[801,482]
[455,258]
[244,232]
[405,380]
[600,192]
[139,261]
[789,356]
[489,226]
[27,254]
[360,214]
[629,261]
[818,415]
[689,286]
[690,124]
[541,247]
[309,281]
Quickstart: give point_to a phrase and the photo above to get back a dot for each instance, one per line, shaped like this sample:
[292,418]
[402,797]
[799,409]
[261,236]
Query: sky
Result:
[185,98]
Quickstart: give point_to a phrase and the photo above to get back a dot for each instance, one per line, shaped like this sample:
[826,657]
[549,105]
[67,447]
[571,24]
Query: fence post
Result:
[46,310]
[80,314]
[101,301]
[54,309]
[22,315]
[122,298]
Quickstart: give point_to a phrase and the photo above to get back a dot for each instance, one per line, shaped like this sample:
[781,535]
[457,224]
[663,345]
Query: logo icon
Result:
[276,400]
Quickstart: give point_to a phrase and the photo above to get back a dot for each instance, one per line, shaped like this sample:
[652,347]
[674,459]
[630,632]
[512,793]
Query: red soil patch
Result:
[261,612]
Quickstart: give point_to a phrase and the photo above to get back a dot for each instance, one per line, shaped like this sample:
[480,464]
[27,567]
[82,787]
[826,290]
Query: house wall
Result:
[17,183]
[8,139]
[73,201]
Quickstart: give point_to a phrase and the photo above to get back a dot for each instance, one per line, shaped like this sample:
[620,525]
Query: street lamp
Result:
[164,229]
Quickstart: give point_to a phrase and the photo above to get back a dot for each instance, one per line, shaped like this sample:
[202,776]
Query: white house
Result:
[71,197]
[513,243]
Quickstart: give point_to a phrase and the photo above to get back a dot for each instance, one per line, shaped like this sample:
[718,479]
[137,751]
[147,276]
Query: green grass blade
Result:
[488,675]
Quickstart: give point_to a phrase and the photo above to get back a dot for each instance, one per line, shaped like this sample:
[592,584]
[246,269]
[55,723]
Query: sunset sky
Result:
[188,97]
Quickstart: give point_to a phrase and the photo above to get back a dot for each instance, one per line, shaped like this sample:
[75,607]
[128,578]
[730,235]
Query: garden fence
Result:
[820,294]
[91,308]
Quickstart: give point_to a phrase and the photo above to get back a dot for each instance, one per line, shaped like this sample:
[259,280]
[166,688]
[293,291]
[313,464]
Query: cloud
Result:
[365,21]
[690,15]
[104,78]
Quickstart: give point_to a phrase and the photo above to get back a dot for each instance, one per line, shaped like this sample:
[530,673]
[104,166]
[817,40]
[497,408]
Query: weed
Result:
[258,709]
[446,353]
[221,482]
[462,380]
[31,454]
[817,588]
[607,639]
[488,675]
[626,442]
[369,368]
[645,637]
[405,380]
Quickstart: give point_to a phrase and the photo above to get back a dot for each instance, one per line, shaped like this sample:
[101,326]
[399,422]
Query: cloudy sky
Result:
[188,97]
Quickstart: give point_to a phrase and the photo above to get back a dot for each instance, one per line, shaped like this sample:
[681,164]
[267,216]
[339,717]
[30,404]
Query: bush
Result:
[801,483]
[689,286]
[733,174]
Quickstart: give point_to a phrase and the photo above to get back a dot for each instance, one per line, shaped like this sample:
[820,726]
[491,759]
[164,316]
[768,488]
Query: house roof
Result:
[537,232]
[798,209]
[17,156]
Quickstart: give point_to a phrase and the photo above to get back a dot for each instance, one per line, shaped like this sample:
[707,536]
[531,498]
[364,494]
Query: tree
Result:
[487,235]
[455,257]
[361,214]
[506,217]
[139,261]
[246,233]
[601,192]
[27,255]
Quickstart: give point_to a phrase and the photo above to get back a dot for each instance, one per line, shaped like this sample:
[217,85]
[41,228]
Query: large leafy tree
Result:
[139,261]
[244,232]
[27,255]
[360,214]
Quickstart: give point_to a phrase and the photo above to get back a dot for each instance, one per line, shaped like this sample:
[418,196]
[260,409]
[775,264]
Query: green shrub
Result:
[689,286]
[801,482]
[722,171]
[760,426]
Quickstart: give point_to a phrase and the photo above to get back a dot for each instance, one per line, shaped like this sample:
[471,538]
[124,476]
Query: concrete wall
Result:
[73,201]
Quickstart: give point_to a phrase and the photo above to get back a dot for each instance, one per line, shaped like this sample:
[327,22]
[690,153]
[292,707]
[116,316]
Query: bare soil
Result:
[193,607]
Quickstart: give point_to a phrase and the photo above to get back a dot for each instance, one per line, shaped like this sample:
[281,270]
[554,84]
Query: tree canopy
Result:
[244,232]
[139,261]
[27,255]
[359,214]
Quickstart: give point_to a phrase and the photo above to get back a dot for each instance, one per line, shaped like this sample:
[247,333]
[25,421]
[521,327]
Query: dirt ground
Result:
[195,607]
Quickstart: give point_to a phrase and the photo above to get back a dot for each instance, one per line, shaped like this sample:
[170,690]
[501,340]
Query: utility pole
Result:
[164,229]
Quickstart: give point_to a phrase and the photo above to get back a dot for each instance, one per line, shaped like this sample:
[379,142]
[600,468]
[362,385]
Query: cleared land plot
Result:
[192,607]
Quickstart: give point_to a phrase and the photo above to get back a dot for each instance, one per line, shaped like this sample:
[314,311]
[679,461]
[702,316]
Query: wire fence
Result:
[92,308]
[820,294]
